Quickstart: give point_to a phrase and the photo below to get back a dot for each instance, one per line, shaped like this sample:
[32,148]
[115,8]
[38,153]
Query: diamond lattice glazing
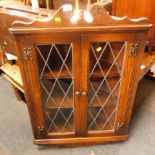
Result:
[56,78]
[106,61]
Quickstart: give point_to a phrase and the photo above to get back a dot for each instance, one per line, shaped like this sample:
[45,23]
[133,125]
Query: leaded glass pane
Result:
[106,61]
[56,78]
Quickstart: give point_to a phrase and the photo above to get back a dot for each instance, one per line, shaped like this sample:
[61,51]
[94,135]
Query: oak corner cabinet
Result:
[80,79]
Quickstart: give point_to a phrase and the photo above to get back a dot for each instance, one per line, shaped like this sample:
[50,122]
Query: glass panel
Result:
[106,61]
[56,79]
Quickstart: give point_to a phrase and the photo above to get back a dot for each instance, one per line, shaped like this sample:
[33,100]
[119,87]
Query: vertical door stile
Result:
[84,88]
[21,44]
[124,92]
[34,85]
[77,84]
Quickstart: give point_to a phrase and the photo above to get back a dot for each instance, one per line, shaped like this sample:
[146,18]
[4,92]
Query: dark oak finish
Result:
[14,12]
[135,9]
[81,141]
[64,65]
[10,12]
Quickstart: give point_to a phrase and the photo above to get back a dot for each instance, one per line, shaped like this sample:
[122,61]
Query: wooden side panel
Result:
[130,82]
[136,9]
[27,90]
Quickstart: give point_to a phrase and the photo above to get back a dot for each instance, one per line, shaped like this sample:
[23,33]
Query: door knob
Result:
[84,93]
[77,93]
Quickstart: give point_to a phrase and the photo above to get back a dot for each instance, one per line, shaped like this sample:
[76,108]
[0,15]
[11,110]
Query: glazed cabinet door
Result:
[106,76]
[52,65]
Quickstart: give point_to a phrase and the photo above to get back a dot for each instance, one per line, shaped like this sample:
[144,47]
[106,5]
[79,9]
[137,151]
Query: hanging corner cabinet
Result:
[80,79]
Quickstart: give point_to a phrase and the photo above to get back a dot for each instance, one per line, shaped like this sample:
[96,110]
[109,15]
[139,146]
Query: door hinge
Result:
[41,132]
[28,54]
[133,49]
[119,126]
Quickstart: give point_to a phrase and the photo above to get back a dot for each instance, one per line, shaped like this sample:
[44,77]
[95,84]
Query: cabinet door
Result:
[106,78]
[53,73]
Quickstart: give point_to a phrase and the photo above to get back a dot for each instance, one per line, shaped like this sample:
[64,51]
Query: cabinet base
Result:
[80,141]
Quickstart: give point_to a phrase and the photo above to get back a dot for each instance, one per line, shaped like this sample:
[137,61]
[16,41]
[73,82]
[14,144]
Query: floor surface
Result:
[16,135]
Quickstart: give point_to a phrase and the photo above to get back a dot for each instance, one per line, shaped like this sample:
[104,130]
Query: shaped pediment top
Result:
[96,17]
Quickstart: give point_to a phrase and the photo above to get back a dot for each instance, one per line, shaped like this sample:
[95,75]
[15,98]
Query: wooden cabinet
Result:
[80,80]
[136,9]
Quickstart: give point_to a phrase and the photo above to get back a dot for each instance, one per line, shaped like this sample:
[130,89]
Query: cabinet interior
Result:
[55,67]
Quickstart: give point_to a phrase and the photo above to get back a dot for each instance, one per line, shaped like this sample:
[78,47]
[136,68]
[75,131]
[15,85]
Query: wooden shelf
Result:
[64,105]
[105,68]
[12,74]
[102,99]
[67,103]
[60,126]
[96,73]
[148,61]
[63,75]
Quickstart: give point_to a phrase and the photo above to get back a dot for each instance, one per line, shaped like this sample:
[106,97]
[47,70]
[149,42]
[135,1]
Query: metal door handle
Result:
[77,93]
[84,93]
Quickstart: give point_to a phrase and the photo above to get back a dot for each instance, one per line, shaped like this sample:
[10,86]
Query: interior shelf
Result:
[64,74]
[97,74]
[67,105]
[64,105]
[105,65]
[60,126]
[96,103]
[104,99]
